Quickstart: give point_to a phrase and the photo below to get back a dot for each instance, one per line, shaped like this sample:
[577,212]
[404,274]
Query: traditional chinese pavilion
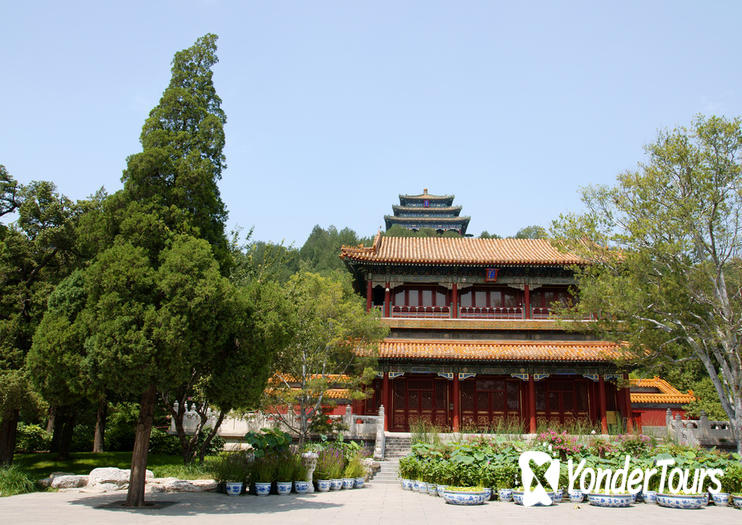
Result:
[437,212]
[472,340]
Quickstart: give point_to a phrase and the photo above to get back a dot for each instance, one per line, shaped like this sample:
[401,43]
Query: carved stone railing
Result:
[363,427]
[699,432]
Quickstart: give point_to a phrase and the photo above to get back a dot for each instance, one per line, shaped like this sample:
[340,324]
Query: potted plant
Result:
[231,471]
[354,471]
[264,472]
[323,470]
[284,474]
[301,485]
[606,498]
[465,495]
[407,471]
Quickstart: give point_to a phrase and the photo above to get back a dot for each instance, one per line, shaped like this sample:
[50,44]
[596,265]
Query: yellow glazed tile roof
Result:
[504,350]
[667,393]
[460,251]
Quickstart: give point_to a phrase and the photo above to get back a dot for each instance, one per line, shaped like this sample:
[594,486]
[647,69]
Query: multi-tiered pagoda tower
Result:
[428,211]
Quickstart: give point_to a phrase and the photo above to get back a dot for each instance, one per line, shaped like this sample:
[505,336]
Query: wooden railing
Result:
[421,311]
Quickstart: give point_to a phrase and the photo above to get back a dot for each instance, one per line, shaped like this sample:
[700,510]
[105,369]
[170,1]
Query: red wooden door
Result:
[490,401]
[413,399]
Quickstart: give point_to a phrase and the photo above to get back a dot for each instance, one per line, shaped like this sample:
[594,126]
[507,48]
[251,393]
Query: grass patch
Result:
[39,466]
[14,480]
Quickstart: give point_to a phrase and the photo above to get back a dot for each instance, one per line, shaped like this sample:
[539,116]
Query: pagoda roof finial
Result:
[425,191]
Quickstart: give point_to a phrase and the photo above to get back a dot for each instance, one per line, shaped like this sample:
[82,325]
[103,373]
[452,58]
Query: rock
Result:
[47,482]
[108,476]
[68,482]
[181,485]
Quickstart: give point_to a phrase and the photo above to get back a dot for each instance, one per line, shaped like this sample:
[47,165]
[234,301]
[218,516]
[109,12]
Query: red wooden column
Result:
[385,397]
[601,395]
[526,302]
[456,403]
[387,300]
[629,411]
[531,404]
[369,292]
[454,301]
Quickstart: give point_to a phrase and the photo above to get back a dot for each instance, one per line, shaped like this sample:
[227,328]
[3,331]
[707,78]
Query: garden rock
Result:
[112,476]
[47,482]
[181,485]
[68,482]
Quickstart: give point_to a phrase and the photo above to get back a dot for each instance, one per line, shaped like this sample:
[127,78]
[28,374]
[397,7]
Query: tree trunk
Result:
[50,420]
[8,432]
[100,424]
[210,436]
[68,428]
[135,496]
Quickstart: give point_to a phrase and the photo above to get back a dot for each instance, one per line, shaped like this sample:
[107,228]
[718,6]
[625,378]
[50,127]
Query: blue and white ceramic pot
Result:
[348,483]
[737,500]
[505,494]
[610,500]
[262,489]
[408,484]
[440,489]
[650,496]
[720,499]
[489,493]
[323,485]
[576,496]
[234,488]
[336,484]
[517,496]
[283,487]
[432,489]
[682,501]
[464,498]
[301,487]
[420,486]
[358,483]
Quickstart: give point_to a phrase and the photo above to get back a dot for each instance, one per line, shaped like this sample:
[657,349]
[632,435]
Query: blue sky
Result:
[334,108]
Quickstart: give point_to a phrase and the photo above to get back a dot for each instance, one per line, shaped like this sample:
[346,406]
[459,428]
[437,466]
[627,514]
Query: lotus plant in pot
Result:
[264,473]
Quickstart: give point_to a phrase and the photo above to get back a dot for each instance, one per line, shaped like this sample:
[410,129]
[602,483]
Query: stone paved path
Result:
[379,504]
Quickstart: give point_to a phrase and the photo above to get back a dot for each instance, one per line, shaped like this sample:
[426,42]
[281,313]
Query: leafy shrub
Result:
[160,442]
[15,481]
[732,480]
[82,438]
[268,441]
[120,427]
[32,438]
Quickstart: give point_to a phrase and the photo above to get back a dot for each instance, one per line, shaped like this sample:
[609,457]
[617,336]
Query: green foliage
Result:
[320,251]
[326,324]
[264,469]
[120,424]
[32,438]
[160,442]
[666,242]
[14,481]
[269,441]
[330,464]
[300,470]
[532,232]
[285,467]
[354,468]
[487,235]
[422,431]
[231,467]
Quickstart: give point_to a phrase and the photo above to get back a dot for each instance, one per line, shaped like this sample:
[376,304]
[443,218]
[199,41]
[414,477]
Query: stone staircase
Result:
[395,448]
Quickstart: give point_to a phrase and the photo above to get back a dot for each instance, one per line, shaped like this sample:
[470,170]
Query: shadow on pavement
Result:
[191,504]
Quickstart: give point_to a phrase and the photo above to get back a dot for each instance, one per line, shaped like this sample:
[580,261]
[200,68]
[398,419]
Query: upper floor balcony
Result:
[472,302]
